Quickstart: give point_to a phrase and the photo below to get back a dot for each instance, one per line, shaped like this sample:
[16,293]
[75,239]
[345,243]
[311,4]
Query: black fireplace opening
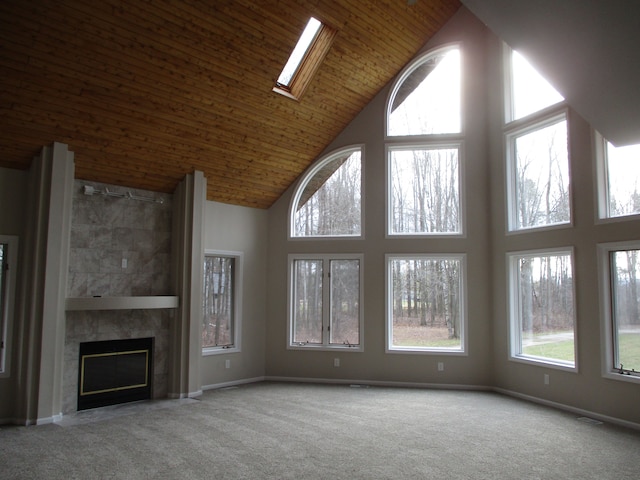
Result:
[114,371]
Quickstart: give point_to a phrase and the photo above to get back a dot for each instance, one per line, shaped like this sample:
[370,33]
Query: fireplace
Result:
[114,371]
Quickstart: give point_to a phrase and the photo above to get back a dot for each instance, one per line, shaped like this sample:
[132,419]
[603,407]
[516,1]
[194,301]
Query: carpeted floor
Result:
[306,431]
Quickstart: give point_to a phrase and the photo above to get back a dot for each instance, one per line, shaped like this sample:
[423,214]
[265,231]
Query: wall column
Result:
[41,312]
[188,247]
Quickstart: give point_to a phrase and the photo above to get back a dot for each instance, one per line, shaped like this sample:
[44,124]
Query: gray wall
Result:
[374,364]
[585,389]
[240,229]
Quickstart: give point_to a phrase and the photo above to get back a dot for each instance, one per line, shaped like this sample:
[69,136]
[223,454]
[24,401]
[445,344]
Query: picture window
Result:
[538,175]
[426,303]
[425,190]
[541,304]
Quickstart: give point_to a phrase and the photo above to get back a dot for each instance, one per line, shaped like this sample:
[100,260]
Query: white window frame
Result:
[237,302]
[9,286]
[427,141]
[509,108]
[513,309]
[308,176]
[326,303]
[515,131]
[459,145]
[603,213]
[464,347]
[607,324]
[405,73]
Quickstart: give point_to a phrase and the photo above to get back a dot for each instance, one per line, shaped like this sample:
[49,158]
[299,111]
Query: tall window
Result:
[8,270]
[618,179]
[325,294]
[221,302]
[539,175]
[425,304]
[328,200]
[542,316]
[619,292]
[424,137]
[537,150]
[425,190]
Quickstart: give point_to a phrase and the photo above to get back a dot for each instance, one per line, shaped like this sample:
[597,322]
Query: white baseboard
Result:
[233,383]
[48,420]
[181,396]
[379,383]
[446,386]
[27,422]
[569,408]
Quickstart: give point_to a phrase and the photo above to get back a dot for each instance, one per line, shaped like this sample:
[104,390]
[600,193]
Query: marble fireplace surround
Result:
[99,325]
[119,277]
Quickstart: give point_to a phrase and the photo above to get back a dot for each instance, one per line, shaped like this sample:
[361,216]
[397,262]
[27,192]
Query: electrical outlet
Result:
[336,362]
[441,366]
[124,263]
[546,379]
[227,364]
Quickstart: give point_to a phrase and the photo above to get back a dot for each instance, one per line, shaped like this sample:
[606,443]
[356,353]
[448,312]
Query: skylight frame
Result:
[314,53]
[300,51]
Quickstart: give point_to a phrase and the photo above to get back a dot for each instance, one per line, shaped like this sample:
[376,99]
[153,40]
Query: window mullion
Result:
[326,302]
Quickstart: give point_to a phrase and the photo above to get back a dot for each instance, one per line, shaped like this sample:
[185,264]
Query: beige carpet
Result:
[305,431]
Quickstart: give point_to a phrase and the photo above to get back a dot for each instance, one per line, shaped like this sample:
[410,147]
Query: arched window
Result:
[426,98]
[424,147]
[327,201]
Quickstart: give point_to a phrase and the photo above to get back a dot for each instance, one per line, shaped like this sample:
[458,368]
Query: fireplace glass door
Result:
[114,371]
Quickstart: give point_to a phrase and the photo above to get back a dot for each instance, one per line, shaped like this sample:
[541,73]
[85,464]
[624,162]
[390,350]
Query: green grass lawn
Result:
[629,350]
[558,350]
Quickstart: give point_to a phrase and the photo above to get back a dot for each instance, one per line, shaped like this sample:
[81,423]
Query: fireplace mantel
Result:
[122,303]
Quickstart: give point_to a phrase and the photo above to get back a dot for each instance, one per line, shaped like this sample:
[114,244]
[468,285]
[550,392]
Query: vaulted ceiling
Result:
[145,92]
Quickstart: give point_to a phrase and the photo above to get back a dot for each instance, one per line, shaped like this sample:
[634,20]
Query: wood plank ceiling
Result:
[145,92]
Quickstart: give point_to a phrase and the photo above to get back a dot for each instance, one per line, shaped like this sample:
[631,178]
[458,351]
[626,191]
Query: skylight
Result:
[302,47]
[312,47]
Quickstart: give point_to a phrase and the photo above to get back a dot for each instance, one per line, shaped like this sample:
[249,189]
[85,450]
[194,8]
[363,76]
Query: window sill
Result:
[426,235]
[425,351]
[327,237]
[540,228]
[545,362]
[219,350]
[326,348]
[621,377]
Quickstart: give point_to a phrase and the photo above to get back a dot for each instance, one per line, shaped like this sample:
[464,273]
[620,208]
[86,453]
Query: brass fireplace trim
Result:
[116,389]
